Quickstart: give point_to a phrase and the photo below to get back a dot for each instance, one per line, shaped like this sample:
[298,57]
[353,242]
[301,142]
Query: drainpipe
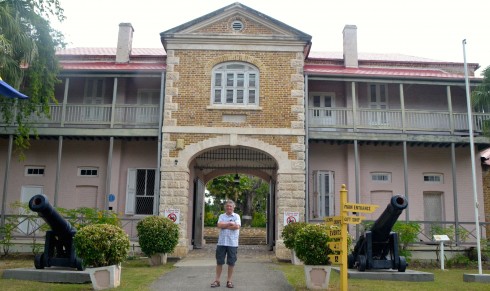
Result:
[160,129]
[307,180]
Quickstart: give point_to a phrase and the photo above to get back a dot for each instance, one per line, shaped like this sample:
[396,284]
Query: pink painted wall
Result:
[340,159]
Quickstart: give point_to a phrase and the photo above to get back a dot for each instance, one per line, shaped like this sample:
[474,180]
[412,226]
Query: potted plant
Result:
[288,235]
[102,247]
[311,247]
[158,236]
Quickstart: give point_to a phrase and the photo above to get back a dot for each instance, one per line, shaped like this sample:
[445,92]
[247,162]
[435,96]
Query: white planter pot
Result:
[105,277]
[317,277]
[294,259]
[158,259]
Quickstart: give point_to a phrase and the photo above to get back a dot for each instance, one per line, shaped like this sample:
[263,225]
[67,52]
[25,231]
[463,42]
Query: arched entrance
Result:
[185,171]
[215,162]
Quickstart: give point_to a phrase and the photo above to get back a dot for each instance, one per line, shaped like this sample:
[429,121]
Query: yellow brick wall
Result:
[486,196]
[194,89]
[282,142]
[224,26]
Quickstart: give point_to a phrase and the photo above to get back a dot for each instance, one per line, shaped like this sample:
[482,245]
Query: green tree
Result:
[28,61]
[480,99]
[249,193]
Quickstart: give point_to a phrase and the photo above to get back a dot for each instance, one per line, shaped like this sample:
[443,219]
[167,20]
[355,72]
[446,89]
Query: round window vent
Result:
[237,25]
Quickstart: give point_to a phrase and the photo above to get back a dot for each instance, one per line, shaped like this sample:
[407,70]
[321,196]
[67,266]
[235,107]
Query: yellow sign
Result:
[353,219]
[335,233]
[355,207]
[335,259]
[331,220]
[334,246]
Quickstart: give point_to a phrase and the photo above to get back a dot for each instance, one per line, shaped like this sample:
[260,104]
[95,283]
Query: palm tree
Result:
[28,60]
[480,97]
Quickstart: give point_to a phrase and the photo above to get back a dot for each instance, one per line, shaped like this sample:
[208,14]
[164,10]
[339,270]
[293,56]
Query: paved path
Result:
[253,271]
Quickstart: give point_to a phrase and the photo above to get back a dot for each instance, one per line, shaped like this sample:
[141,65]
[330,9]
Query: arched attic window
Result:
[235,83]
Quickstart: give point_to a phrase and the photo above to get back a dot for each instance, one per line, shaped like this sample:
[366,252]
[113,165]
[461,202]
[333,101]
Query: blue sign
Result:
[112,197]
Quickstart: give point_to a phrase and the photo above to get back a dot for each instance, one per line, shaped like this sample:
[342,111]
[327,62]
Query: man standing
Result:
[229,224]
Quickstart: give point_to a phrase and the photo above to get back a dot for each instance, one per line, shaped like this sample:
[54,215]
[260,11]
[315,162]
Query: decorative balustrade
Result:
[98,116]
[414,120]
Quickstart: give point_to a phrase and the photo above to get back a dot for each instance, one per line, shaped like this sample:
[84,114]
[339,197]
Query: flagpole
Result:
[472,148]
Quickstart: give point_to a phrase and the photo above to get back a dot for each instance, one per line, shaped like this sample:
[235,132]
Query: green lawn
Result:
[447,280]
[138,275]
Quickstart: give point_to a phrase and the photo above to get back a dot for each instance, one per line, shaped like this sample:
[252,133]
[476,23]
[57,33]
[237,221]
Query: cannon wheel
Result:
[403,265]
[39,261]
[361,264]
[350,261]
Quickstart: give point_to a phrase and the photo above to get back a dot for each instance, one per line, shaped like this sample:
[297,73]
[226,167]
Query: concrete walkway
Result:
[253,271]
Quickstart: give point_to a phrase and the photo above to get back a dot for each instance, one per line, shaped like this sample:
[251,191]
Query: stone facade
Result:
[193,124]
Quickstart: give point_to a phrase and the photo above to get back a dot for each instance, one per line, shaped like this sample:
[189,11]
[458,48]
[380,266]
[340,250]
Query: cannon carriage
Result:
[59,249]
[377,248]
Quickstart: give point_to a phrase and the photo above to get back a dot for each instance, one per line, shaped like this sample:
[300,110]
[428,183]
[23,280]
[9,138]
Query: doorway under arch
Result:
[219,161]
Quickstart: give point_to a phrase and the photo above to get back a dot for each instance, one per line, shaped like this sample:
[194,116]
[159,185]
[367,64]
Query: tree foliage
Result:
[28,62]
[249,194]
[481,95]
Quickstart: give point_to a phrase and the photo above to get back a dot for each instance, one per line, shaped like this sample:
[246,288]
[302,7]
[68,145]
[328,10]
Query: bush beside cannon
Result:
[58,246]
[378,247]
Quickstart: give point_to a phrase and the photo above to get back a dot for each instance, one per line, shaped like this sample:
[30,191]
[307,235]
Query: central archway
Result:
[220,161]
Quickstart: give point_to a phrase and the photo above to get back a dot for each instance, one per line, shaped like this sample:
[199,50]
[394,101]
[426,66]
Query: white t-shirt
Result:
[229,237]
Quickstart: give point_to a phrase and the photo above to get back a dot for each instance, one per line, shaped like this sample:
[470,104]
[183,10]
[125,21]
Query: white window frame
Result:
[80,169]
[321,193]
[220,84]
[379,116]
[440,177]
[381,174]
[153,94]
[34,169]
[131,191]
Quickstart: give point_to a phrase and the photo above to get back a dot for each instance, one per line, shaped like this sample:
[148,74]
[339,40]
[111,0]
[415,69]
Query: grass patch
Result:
[447,280]
[137,274]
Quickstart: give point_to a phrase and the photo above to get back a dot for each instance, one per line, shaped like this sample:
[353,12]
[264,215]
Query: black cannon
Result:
[378,247]
[58,246]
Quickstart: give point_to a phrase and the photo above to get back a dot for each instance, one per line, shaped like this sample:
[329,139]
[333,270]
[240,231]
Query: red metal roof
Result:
[372,57]
[111,51]
[111,66]
[381,72]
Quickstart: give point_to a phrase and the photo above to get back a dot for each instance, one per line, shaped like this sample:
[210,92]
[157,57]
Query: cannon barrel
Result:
[39,203]
[382,226]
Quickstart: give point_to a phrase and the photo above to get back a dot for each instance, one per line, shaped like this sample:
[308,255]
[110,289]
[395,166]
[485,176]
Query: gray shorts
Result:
[225,251]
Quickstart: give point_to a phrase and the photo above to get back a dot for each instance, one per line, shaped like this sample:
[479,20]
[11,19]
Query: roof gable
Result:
[217,26]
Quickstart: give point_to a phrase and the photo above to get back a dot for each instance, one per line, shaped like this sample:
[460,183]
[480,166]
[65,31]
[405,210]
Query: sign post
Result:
[338,229]
[441,238]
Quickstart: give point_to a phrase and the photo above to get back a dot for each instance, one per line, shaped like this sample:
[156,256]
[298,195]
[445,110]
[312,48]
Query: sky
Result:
[432,29]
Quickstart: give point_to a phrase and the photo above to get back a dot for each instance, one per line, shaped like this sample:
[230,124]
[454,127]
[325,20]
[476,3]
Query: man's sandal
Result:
[215,284]
[229,284]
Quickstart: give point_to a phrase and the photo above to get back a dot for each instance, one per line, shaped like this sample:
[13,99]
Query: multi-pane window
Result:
[141,191]
[323,188]
[34,171]
[381,177]
[435,178]
[235,84]
[88,171]
[145,191]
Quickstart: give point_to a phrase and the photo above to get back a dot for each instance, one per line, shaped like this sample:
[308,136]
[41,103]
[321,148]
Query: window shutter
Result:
[131,191]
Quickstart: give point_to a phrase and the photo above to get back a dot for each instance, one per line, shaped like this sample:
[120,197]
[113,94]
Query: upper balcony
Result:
[402,121]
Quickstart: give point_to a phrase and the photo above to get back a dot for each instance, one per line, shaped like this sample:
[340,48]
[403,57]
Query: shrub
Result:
[101,245]
[310,244]
[289,233]
[407,233]
[157,234]
[210,219]
[259,220]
